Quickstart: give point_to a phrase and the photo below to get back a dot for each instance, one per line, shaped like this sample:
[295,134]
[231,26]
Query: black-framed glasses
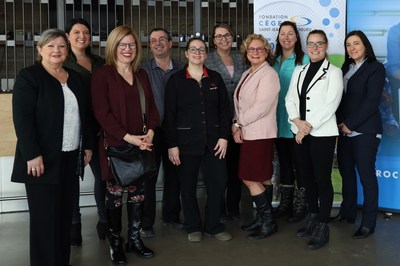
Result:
[194,50]
[313,44]
[161,39]
[219,37]
[252,50]
[122,45]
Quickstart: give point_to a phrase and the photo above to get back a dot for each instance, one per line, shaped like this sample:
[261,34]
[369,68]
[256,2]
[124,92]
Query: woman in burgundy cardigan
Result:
[116,105]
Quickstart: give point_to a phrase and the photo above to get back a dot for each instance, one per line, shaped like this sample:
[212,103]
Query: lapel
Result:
[357,73]
[321,73]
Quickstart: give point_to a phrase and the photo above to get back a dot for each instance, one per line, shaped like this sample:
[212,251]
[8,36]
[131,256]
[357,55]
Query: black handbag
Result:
[129,164]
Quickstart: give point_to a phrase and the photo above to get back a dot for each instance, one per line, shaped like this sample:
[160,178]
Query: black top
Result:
[196,116]
[312,70]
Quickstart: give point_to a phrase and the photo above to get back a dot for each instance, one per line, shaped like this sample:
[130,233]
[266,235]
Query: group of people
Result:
[221,113]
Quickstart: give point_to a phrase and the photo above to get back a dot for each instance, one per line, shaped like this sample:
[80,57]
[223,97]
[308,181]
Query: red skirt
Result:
[255,160]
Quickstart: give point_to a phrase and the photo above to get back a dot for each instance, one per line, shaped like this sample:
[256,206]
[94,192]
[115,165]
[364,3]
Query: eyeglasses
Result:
[252,50]
[194,50]
[219,37]
[122,46]
[313,44]
[161,39]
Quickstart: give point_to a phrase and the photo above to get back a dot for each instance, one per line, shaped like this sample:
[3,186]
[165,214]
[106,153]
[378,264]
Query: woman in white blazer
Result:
[314,95]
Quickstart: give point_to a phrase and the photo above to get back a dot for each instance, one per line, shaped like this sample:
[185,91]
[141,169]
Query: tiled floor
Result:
[173,249]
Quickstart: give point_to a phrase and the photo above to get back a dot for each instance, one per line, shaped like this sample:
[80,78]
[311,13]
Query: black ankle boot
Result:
[76,235]
[311,223]
[299,208]
[320,236]
[134,242]
[264,211]
[285,206]
[117,253]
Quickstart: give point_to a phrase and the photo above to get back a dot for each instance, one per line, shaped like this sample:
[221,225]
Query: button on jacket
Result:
[196,116]
[323,97]
[255,109]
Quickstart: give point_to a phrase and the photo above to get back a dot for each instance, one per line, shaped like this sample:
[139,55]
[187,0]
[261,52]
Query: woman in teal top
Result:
[288,54]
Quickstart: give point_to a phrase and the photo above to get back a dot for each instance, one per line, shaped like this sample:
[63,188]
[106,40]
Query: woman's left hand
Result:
[222,145]
[88,156]
[299,137]
[148,138]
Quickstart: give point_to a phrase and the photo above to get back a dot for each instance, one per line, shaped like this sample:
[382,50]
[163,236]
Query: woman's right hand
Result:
[138,140]
[302,126]
[36,166]
[237,135]
[173,155]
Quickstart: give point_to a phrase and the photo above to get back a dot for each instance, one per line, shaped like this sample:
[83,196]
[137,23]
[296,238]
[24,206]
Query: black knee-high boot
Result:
[264,211]
[116,242]
[134,242]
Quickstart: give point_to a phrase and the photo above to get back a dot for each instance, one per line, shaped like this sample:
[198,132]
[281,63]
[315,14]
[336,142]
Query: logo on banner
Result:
[300,21]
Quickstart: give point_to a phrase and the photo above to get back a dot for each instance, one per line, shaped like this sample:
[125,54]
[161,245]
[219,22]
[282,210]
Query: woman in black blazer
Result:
[197,124]
[360,125]
[49,113]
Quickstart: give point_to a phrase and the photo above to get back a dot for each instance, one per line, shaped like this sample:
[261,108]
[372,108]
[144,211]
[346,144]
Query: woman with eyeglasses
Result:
[117,107]
[230,66]
[197,123]
[314,95]
[255,129]
[288,55]
[360,126]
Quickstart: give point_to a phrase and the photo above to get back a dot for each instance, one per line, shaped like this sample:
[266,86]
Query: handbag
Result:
[129,164]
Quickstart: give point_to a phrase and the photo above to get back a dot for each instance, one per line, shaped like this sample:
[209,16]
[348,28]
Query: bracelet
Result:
[237,125]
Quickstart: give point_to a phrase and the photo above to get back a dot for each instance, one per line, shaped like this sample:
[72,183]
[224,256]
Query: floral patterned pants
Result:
[115,193]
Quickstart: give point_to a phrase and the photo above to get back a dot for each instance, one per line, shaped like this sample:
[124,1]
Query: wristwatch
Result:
[236,124]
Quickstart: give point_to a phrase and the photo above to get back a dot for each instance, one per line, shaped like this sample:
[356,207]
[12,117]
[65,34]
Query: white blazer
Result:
[323,97]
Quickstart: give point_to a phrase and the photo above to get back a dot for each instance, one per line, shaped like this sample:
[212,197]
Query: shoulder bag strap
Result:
[142,103]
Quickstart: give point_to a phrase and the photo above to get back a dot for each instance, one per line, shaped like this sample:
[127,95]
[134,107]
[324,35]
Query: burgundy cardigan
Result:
[116,106]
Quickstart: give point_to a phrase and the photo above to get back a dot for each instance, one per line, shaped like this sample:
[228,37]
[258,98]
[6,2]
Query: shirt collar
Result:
[205,73]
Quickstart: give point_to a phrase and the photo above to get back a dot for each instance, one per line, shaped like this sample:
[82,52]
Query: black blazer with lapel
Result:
[38,115]
[359,108]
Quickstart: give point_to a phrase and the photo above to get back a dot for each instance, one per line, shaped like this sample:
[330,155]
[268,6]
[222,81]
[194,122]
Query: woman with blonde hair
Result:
[117,107]
[254,127]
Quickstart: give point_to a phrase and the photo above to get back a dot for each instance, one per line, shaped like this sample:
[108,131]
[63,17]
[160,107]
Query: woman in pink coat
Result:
[254,127]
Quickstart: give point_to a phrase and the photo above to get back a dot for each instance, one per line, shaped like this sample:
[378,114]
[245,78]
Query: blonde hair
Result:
[115,36]
[267,46]
[49,35]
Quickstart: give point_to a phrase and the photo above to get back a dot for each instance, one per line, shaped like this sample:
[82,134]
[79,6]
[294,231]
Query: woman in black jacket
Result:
[360,128]
[197,124]
[49,114]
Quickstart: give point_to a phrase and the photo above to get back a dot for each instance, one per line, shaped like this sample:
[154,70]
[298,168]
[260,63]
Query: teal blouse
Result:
[285,72]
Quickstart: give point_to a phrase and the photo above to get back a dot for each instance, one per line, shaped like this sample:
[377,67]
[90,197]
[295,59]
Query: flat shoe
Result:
[195,237]
[222,236]
[362,232]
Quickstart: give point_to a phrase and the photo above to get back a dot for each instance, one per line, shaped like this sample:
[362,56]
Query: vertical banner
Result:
[380,21]
[327,15]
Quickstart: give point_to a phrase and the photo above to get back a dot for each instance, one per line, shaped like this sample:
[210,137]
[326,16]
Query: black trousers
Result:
[287,162]
[315,157]
[359,153]
[171,204]
[215,176]
[99,192]
[234,184]
[50,212]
